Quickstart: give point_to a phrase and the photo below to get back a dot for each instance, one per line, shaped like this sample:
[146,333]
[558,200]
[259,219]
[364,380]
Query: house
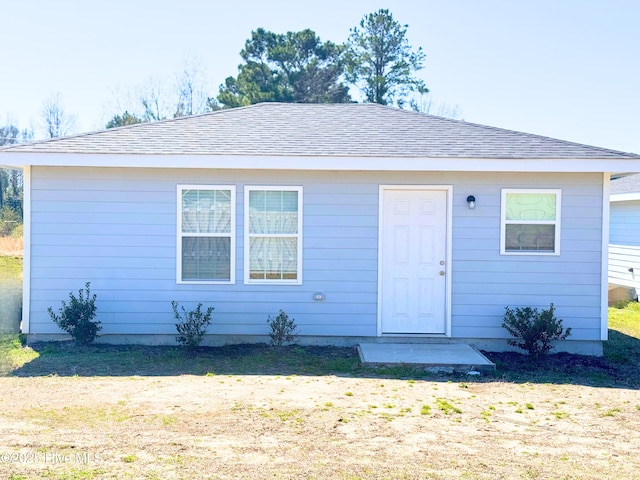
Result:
[624,248]
[362,222]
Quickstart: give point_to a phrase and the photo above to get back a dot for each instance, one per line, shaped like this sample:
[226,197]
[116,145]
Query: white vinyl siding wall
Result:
[117,229]
[624,248]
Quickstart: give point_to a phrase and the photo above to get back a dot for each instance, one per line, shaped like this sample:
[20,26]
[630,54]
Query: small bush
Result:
[192,325]
[281,329]
[621,304]
[76,317]
[9,219]
[533,330]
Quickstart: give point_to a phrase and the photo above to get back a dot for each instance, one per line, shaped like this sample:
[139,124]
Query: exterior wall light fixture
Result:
[471,202]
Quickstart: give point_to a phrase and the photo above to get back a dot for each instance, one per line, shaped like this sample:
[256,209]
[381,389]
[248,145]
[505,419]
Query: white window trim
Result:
[504,221]
[180,234]
[247,260]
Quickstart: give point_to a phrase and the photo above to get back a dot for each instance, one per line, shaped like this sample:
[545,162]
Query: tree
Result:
[381,62]
[9,135]
[11,181]
[121,120]
[160,98]
[426,104]
[4,183]
[153,99]
[291,67]
[57,121]
[191,89]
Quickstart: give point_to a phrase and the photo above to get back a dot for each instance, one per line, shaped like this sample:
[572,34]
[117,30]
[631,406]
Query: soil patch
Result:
[253,411]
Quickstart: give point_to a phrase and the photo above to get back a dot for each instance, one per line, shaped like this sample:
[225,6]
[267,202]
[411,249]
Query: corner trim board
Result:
[26,254]
[604,265]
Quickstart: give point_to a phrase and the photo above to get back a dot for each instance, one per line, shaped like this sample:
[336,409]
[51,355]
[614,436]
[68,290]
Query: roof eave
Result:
[625,197]
[365,163]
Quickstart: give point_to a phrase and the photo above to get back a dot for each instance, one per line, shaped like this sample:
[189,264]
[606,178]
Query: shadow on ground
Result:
[616,369]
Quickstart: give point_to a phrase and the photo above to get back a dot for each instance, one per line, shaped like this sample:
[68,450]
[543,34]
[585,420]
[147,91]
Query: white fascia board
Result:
[624,197]
[252,162]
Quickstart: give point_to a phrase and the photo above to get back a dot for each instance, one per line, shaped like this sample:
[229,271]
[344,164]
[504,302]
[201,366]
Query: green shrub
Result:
[9,219]
[533,330]
[621,304]
[18,231]
[281,329]
[76,317]
[192,324]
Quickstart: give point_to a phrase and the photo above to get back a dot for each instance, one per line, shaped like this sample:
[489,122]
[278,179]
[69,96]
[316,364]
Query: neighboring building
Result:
[361,222]
[624,248]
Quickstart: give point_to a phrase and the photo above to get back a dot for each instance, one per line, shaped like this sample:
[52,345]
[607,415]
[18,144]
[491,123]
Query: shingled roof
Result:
[342,130]
[628,184]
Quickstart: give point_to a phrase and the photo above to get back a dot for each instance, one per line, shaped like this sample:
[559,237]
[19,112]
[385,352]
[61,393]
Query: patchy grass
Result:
[13,354]
[624,334]
[10,295]
[68,359]
[10,266]
[619,366]
[254,411]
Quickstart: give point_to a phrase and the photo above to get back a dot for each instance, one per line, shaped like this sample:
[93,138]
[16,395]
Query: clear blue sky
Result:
[568,69]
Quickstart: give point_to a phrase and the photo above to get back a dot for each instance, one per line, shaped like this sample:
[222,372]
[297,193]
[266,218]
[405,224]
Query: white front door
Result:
[413,266]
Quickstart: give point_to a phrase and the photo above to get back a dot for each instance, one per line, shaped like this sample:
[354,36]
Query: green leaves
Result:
[121,120]
[292,67]
[381,61]
[282,329]
[192,324]
[76,317]
[533,330]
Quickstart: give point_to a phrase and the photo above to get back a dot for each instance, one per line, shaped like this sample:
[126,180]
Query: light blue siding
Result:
[485,282]
[117,229]
[625,223]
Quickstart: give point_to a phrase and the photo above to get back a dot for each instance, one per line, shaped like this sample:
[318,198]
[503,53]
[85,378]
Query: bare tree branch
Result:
[191,88]
[57,121]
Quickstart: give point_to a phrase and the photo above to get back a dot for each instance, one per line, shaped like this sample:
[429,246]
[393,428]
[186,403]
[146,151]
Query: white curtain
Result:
[206,211]
[208,257]
[273,231]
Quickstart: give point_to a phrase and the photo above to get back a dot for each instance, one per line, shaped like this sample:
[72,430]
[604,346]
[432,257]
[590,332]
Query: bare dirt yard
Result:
[315,426]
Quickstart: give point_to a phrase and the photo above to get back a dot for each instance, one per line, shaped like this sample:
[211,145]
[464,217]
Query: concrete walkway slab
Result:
[439,357]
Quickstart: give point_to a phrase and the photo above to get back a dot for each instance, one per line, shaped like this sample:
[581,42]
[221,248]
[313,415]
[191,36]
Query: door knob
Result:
[442,273]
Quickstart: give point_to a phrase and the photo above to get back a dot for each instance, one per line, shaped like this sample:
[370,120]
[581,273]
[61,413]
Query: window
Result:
[206,234]
[273,235]
[530,222]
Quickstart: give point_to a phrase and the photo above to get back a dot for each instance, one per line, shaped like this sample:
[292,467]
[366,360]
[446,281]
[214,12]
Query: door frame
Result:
[449,231]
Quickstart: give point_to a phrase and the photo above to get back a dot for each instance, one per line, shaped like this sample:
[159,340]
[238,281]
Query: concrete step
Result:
[434,357]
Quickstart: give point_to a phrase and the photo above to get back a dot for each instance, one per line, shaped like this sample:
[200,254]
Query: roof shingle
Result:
[286,129]
[628,184]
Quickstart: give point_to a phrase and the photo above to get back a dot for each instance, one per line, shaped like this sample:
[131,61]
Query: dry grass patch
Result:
[11,246]
[270,426]
[251,411]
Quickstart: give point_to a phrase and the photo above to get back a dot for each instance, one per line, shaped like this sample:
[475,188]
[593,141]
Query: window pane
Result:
[273,258]
[206,211]
[206,258]
[273,211]
[531,206]
[289,212]
[530,238]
